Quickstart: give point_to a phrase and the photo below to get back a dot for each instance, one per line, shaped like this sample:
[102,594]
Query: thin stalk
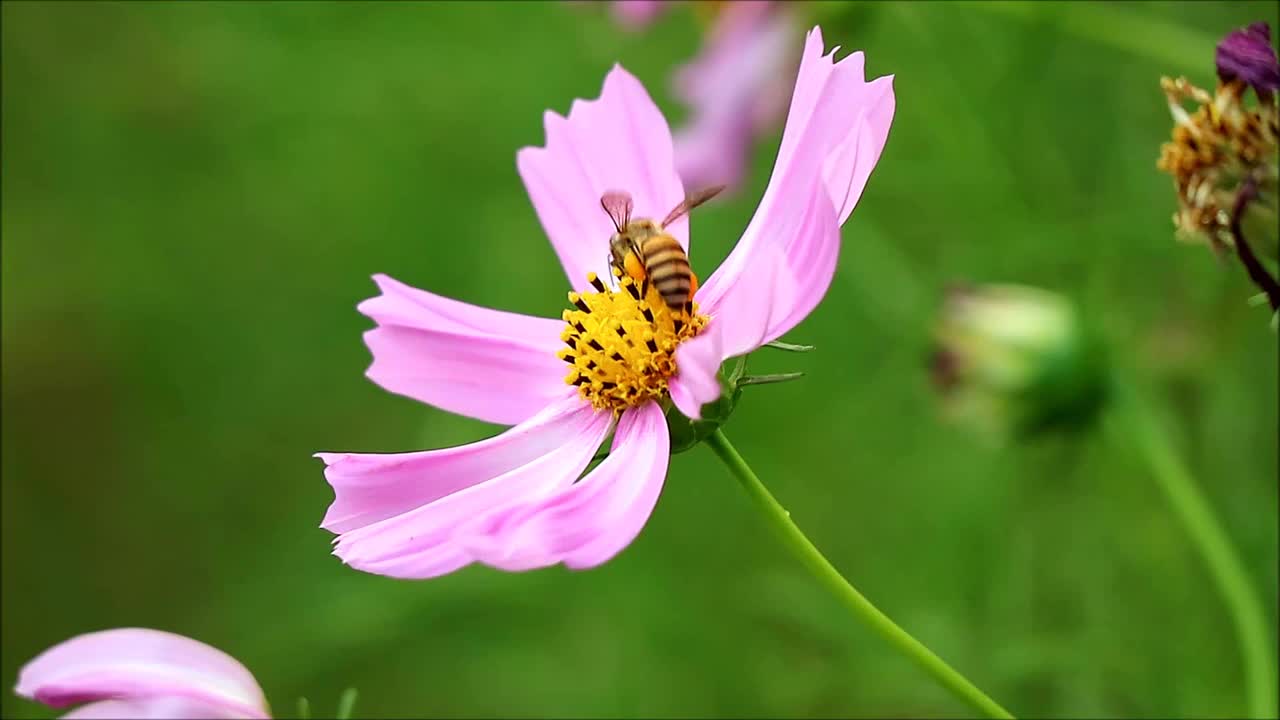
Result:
[826,574]
[346,704]
[1252,265]
[1133,425]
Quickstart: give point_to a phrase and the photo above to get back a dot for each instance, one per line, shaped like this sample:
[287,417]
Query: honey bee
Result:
[642,249]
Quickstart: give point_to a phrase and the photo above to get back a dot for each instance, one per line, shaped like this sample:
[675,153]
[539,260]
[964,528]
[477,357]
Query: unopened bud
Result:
[1013,360]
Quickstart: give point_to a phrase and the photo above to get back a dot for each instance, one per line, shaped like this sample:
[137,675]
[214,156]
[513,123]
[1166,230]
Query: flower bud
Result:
[1013,360]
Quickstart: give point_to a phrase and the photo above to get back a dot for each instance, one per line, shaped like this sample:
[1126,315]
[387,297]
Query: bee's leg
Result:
[693,283]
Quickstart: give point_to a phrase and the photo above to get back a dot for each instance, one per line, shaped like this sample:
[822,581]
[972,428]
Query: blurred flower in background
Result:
[141,673]
[637,14]
[736,89]
[1223,155]
[520,500]
[1013,361]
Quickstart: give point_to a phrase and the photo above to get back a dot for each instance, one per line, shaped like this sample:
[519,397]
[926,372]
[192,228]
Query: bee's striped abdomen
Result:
[668,269]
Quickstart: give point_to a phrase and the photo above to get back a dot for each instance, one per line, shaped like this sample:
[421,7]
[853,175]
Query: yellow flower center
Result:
[622,342]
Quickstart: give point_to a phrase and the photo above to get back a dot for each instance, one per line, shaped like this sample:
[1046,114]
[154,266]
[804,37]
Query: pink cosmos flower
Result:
[736,88]
[139,673]
[520,500]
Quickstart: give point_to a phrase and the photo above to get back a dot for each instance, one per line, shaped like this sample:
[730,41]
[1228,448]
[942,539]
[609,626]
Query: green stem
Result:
[853,600]
[346,703]
[1134,425]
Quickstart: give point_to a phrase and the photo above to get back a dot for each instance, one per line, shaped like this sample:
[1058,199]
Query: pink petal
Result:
[769,295]
[585,524]
[835,131]
[488,378]
[406,306]
[487,364]
[157,708]
[618,142]
[140,664]
[848,169]
[827,97]
[419,543]
[777,288]
[695,384]
[733,91]
[370,487]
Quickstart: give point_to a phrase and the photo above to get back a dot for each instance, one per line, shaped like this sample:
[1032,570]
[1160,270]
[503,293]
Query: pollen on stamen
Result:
[622,342]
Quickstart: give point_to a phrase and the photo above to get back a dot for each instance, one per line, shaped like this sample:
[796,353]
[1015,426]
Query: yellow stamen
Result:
[622,343]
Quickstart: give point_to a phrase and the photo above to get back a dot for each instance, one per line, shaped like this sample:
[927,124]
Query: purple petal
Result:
[491,365]
[141,665]
[370,487]
[733,92]
[585,524]
[618,142]
[480,479]
[1247,54]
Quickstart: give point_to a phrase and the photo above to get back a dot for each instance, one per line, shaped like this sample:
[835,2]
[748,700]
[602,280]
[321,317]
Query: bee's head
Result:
[619,245]
[630,239]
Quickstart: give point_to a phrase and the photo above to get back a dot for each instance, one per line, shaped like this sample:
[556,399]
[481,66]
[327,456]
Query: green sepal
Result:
[770,379]
[789,347]
[686,433]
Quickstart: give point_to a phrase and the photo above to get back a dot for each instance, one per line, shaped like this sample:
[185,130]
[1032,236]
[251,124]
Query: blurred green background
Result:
[195,196]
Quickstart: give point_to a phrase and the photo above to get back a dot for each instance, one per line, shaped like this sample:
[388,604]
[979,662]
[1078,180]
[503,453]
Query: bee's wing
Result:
[691,201]
[618,205]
